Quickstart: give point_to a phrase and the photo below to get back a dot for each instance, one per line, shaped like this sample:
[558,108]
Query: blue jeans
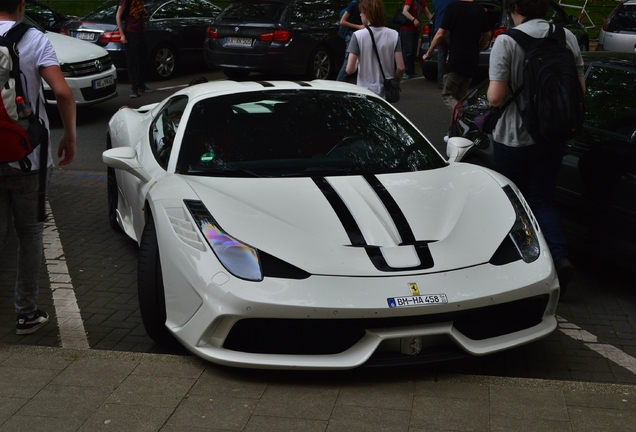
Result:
[442,53]
[19,205]
[342,75]
[409,49]
[534,169]
[136,59]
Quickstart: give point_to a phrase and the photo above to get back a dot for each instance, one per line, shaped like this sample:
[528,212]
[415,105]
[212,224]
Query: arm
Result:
[497,91]
[484,40]
[352,63]
[439,35]
[118,18]
[344,21]
[582,80]
[399,65]
[66,104]
[406,12]
[427,13]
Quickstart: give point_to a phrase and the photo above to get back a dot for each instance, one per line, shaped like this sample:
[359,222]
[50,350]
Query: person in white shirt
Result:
[18,189]
[362,56]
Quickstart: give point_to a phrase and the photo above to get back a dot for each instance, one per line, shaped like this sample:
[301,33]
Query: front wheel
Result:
[320,65]
[150,290]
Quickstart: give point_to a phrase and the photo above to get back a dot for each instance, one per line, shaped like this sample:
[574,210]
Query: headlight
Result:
[239,259]
[67,71]
[523,234]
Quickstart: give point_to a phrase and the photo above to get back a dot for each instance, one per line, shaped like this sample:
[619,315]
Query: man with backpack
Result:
[21,192]
[529,139]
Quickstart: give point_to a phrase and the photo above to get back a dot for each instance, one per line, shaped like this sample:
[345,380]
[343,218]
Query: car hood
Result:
[71,50]
[322,225]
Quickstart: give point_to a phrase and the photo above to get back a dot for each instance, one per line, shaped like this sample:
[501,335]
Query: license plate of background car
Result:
[421,300]
[238,42]
[103,82]
[85,36]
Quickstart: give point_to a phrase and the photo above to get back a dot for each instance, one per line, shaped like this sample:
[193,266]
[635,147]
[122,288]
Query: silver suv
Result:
[619,31]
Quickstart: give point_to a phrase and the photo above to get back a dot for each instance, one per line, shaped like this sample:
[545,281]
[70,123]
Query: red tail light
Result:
[64,32]
[113,36]
[498,31]
[276,36]
[457,113]
[425,30]
[211,34]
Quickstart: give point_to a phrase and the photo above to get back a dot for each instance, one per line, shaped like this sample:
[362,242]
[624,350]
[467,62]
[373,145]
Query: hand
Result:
[66,149]
[425,56]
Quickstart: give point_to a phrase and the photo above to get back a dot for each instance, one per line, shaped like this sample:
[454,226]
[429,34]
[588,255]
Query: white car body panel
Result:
[460,209]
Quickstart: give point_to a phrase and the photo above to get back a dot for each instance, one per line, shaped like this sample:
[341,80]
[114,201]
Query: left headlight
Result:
[67,70]
[238,258]
[523,234]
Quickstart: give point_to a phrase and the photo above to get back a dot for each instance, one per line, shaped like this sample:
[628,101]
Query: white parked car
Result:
[310,225]
[87,68]
[619,31]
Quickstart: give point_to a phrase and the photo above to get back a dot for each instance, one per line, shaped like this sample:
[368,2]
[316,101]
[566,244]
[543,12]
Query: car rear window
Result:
[609,100]
[253,11]
[301,133]
[624,19]
[104,13]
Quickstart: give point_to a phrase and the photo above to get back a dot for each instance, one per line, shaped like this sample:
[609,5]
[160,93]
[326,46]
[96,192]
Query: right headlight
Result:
[523,235]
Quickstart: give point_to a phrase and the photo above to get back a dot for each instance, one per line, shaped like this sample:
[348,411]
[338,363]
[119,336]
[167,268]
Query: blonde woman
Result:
[362,56]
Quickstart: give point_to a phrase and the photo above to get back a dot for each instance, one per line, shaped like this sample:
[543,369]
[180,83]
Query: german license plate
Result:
[103,82]
[86,36]
[421,300]
[238,42]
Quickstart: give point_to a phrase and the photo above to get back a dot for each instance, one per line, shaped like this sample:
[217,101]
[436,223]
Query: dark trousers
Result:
[409,50]
[136,59]
[534,169]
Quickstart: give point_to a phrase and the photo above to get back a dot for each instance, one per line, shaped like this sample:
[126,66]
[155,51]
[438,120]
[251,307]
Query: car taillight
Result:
[425,30]
[211,34]
[64,31]
[113,36]
[457,113]
[610,17]
[498,31]
[276,36]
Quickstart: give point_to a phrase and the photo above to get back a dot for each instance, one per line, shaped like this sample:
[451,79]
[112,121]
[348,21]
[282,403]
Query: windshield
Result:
[300,133]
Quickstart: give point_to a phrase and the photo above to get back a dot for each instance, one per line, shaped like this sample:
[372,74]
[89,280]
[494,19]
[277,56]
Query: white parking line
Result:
[610,352]
[69,320]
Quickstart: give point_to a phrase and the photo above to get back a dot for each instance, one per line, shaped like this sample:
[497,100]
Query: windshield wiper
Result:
[229,172]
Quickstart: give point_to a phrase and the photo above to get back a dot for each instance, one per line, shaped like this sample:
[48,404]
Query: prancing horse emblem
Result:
[414,289]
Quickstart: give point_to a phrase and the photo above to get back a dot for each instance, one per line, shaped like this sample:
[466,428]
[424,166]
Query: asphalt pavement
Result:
[94,368]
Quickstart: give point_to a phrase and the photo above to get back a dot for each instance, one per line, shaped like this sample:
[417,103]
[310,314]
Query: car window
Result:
[314,11]
[296,133]
[177,9]
[254,11]
[609,99]
[103,13]
[164,129]
[624,19]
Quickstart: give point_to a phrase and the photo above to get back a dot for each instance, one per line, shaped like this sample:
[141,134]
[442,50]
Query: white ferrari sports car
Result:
[310,225]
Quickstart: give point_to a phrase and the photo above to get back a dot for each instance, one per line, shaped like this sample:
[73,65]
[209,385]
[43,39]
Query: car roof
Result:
[611,57]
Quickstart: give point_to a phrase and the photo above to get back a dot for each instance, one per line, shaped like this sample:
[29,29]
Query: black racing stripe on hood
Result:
[402,225]
[348,222]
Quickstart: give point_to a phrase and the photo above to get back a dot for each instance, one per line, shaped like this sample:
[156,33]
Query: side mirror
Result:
[457,147]
[125,159]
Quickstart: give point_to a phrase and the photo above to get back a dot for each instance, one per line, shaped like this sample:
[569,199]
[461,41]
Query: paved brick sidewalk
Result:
[54,389]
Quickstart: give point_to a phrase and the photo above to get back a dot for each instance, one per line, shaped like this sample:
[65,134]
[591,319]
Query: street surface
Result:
[88,280]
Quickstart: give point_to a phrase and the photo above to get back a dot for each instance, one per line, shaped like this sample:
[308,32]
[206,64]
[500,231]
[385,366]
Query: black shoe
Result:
[145,89]
[134,94]
[26,324]
[565,273]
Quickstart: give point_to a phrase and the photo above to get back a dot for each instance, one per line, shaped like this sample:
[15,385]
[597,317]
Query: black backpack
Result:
[554,101]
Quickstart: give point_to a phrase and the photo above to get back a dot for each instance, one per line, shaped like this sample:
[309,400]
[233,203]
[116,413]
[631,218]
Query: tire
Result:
[150,290]
[113,194]
[163,62]
[321,65]
[236,74]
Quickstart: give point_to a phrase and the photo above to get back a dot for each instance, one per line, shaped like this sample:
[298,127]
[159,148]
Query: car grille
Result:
[315,336]
[89,67]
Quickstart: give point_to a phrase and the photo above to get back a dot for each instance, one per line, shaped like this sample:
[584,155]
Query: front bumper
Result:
[87,90]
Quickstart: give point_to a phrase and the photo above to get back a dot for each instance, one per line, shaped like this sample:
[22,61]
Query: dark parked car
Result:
[597,181]
[298,37]
[175,29]
[499,21]
[46,17]
[619,31]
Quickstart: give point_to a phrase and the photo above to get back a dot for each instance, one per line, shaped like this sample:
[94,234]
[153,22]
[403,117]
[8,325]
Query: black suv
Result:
[499,21]
[298,37]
